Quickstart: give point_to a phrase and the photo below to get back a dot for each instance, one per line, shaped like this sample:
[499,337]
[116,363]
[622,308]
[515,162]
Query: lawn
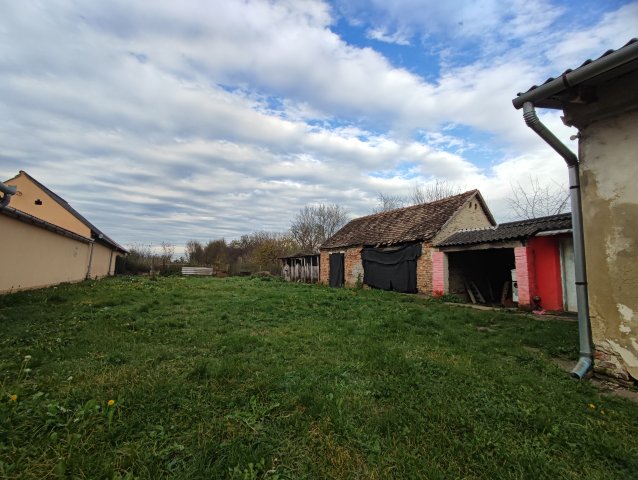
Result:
[256,378]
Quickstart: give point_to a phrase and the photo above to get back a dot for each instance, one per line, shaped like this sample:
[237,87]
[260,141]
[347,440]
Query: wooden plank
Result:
[477,292]
[469,292]
[197,271]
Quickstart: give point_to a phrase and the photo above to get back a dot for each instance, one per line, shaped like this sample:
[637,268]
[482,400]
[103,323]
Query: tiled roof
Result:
[97,233]
[418,222]
[509,231]
[624,56]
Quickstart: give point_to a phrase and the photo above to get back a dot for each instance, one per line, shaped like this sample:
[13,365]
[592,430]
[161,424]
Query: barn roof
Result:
[408,224]
[509,231]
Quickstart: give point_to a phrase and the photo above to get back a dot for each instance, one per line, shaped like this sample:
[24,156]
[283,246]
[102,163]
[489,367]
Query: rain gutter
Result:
[585,363]
[582,74]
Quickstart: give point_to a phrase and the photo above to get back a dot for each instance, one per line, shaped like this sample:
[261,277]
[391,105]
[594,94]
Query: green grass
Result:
[255,378]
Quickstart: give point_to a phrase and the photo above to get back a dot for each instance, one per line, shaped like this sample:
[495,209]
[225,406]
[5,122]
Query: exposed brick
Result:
[353,267]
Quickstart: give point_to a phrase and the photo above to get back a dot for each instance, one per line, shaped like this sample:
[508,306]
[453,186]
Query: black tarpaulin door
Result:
[336,269]
[391,268]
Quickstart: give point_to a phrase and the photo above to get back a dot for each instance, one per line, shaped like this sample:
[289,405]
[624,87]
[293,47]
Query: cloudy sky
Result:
[177,120]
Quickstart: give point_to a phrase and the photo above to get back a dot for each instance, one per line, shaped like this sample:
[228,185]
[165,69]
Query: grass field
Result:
[255,378]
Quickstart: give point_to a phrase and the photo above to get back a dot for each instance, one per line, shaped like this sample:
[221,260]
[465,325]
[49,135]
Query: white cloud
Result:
[200,120]
[382,35]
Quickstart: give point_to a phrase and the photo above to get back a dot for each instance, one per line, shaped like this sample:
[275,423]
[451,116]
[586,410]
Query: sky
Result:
[164,121]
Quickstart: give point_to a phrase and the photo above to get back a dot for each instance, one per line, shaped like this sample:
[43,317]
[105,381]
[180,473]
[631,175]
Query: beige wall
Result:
[50,210]
[609,171]
[102,262]
[32,257]
[471,215]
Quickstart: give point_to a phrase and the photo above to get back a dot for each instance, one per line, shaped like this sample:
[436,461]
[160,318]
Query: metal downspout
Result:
[110,262]
[88,269]
[8,192]
[585,362]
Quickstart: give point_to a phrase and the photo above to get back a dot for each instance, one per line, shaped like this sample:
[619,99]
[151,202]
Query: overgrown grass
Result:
[255,378]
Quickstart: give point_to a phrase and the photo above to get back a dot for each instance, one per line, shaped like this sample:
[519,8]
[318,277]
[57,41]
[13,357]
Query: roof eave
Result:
[541,96]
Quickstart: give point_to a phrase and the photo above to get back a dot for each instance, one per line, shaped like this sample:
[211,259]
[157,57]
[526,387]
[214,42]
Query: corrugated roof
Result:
[99,235]
[509,231]
[624,57]
[408,224]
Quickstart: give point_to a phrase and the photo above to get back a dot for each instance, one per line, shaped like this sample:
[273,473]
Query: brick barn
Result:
[393,250]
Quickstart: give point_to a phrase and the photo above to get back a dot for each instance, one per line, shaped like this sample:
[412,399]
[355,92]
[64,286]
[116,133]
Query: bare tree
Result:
[168,250]
[314,224]
[194,252]
[387,202]
[430,192]
[534,200]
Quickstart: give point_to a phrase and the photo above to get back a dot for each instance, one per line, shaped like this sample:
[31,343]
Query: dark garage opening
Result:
[489,270]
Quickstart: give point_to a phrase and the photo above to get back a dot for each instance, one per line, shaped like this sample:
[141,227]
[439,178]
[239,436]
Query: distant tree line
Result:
[255,252]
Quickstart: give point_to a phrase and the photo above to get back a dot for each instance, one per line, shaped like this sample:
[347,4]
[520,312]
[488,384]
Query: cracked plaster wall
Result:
[609,176]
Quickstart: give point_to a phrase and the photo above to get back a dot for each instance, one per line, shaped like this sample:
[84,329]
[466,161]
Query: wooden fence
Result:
[301,269]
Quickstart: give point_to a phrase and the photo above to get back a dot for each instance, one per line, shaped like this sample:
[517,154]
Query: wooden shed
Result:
[301,267]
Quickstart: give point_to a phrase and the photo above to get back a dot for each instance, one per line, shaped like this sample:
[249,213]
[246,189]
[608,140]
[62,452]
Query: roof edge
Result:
[38,222]
[100,236]
[608,61]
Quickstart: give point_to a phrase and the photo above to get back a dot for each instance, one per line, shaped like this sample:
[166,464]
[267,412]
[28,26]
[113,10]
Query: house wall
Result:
[32,257]
[470,216]
[547,271]
[50,210]
[608,173]
[102,262]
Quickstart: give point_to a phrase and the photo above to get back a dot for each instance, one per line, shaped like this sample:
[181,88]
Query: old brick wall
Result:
[424,269]
[352,268]
[324,266]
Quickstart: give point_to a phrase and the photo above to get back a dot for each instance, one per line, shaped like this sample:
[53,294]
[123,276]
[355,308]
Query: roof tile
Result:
[418,222]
